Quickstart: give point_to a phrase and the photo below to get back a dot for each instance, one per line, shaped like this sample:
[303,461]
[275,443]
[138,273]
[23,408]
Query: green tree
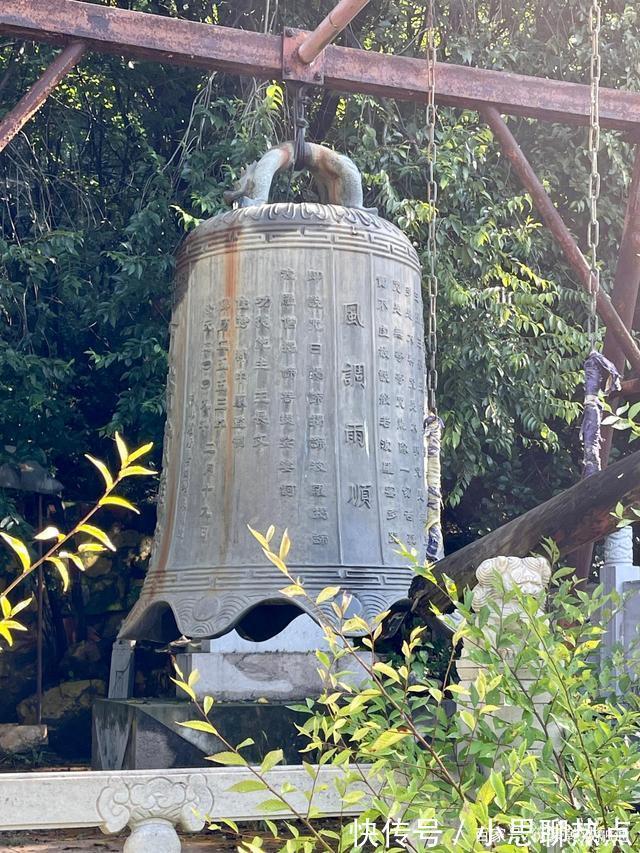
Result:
[126,156]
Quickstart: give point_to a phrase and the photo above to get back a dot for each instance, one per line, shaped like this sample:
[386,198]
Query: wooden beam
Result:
[556,225]
[29,105]
[164,39]
[572,518]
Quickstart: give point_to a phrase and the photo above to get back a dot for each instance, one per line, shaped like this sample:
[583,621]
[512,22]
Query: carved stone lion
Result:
[500,574]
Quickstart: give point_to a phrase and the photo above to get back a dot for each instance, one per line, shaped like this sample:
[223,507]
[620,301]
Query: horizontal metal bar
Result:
[145,36]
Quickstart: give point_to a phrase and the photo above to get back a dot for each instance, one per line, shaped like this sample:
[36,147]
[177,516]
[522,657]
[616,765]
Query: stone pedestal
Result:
[619,574]
[143,734]
[283,668]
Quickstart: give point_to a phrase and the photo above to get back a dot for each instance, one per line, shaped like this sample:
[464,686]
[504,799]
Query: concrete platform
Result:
[143,734]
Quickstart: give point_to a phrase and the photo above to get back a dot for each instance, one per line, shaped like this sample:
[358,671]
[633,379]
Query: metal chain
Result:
[301,100]
[432,199]
[593,234]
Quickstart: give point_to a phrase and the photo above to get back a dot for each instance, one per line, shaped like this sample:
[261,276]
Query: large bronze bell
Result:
[295,398]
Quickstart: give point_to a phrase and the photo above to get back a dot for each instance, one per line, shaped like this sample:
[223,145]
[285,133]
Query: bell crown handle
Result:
[336,175]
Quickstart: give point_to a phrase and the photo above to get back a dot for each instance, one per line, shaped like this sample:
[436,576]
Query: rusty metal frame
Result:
[29,105]
[162,39]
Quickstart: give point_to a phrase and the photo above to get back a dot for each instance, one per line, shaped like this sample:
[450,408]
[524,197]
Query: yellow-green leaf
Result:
[229,759]
[20,548]
[63,571]
[271,759]
[327,593]
[275,560]
[207,704]
[136,454]
[293,590]
[258,536]
[385,669]
[6,633]
[285,545]
[248,785]
[387,739]
[137,471]
[98,534]
[103,470]
[91,547]
[199,725]
[75,559]
[20,606]
[49,533]
[115,500]
[123,452]
[6,606]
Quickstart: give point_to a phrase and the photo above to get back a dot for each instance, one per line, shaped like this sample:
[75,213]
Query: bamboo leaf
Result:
[271,759]
[285,545]
[200,726]
[6,606]
[20,548]
[6,633]
[327,593]
[21,605]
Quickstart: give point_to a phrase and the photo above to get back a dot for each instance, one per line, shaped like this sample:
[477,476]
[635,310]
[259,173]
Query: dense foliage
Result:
[126,156]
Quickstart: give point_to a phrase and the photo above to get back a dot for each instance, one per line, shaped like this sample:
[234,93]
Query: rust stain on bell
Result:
[295,398]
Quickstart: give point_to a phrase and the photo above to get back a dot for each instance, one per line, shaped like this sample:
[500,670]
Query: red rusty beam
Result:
[556,225]
[164,39]
[29,105]
[336,21]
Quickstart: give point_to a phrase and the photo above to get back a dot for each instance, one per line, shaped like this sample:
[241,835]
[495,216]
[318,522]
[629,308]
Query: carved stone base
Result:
[153,835]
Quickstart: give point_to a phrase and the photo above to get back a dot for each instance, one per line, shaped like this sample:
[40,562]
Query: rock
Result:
[82,660]
[97,565]
[15,739]
[17,674]
[66,710]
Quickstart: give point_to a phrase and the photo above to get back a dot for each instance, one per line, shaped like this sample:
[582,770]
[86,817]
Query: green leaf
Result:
[387,739]
[207,704]
[229,759]
[271,759]
[199,725]
[249,785]
[20,548]
[498,786]
[327,593]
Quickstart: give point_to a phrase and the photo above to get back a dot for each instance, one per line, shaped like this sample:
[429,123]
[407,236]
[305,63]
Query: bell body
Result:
[295,398]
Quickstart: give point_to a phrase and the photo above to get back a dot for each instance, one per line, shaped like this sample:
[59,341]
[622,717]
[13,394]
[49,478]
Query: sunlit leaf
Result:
[20,548]
[115,500]
[141,451]
[49,533]
[98,534]
[63,571]
[103,470]
[123,452]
